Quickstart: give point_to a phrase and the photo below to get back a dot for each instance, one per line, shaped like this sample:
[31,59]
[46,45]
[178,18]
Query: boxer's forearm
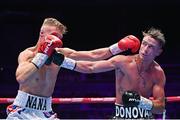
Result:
[94,67]
[25,71]
[92,55]
[158,107]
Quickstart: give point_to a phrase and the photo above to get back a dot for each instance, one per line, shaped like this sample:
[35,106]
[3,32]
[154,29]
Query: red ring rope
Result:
[88,100]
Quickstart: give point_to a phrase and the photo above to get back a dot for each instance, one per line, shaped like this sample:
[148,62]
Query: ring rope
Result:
[88,100]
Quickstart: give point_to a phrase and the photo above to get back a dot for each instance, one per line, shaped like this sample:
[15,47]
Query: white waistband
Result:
[33,102]
[119,104]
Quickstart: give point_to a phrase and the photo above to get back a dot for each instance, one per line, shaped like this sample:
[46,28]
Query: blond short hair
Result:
[56,23]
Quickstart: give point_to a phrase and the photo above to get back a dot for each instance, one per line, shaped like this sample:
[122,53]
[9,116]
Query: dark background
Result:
[91,24]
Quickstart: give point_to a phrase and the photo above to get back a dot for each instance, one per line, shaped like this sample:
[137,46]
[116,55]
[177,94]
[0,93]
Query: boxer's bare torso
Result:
[131,76]
[42,82]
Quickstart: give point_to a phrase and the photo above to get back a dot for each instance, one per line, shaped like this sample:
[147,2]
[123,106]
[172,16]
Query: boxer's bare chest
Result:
[42,82]
[135,79]
[47,75]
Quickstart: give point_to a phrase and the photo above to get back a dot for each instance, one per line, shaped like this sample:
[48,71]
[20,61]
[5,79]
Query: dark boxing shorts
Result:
[131,112]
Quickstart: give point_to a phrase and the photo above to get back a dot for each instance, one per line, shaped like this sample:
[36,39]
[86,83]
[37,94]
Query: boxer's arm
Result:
[28,67]
[156,105]
[25,68]
[159,94]
[133,98]
[88,66]
[92,55]
[128,42]
[99,66]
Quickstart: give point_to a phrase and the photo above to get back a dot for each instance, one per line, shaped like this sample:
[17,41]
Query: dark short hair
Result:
[156,34]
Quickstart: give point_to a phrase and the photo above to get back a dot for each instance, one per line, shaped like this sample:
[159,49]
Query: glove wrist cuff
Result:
[114,49]
[39,60]
[145,103]
[68,63]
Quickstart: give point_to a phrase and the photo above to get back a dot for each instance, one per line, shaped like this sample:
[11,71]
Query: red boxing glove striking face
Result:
[129,42]
[49,44]
[46,49]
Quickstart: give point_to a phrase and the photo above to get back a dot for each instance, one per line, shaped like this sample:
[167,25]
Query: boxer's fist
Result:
[46,49]
[132,98]
[48,45]
[128,42]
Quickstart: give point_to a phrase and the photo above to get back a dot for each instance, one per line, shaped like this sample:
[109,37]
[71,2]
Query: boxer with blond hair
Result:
[37,76]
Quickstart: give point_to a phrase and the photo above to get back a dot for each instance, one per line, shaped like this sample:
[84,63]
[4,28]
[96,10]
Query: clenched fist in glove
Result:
[128,42]
[132,98]
[46,49]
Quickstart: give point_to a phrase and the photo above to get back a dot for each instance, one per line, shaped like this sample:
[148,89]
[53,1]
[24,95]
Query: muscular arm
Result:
[25,68]
[92,55]
[128,42]
[98,66]
[159,95]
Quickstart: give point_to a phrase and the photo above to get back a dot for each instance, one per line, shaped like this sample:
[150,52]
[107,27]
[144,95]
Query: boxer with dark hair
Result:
[137,76]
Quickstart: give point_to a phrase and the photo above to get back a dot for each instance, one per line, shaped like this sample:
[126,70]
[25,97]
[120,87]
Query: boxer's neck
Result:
[143,66]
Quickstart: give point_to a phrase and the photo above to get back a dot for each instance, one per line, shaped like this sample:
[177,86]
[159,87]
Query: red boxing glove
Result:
[128,42]
[51,42]
[46,49]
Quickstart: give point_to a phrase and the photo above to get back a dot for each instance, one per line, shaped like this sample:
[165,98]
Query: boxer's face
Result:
[47,29]
[150,48]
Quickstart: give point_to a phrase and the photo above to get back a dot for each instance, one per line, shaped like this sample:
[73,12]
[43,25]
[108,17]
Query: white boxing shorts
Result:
[31,107]
[131,112]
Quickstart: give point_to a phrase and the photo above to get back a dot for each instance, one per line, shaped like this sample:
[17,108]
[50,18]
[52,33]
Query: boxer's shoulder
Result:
[26,54]
[157,66]
[156,69]
[126,59]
